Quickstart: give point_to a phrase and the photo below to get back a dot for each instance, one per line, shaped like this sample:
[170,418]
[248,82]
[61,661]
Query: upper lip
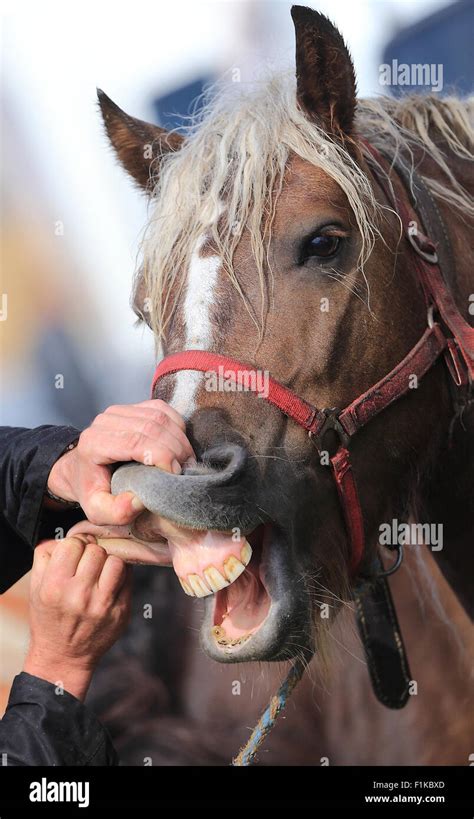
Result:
[226,494]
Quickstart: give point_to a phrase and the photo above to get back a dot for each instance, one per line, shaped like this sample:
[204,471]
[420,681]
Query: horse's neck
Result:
[448,501]
[448,497]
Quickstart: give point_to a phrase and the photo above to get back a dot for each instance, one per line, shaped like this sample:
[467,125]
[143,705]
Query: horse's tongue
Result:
[208,561]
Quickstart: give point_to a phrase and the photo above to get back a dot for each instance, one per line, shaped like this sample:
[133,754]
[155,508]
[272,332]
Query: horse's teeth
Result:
[246,553]
[186,587]
[214,579]
[220,636]
[198,586]
[233,568]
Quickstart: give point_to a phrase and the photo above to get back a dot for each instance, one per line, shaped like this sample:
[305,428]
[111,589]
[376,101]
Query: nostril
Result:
[229,460]
[217,491]
[225,456]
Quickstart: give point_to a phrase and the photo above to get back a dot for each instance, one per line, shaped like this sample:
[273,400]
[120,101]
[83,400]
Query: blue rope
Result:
[247,754]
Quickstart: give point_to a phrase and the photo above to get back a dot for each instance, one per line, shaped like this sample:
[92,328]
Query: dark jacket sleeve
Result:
[44,727]
[40,726]
[26,458]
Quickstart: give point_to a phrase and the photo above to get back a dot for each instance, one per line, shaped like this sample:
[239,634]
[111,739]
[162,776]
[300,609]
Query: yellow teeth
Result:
[213,580]
[233,568]
[221,638]
[246,553]
[186,587]
[198,586]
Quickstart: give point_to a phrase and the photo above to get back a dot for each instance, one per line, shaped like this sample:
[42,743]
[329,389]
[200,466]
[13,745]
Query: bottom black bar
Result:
[377,791]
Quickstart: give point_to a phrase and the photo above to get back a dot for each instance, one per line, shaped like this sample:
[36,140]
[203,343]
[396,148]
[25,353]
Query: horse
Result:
[275,239]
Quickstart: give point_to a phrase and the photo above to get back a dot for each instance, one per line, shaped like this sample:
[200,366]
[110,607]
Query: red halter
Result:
[458,349]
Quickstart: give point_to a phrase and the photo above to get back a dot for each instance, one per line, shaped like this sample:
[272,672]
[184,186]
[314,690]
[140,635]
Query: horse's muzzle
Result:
[216,493]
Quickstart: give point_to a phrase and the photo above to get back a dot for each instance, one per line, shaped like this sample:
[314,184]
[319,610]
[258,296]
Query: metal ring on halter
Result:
[331,422]
[429,256]
[396,565]
[377,569]
[430,316]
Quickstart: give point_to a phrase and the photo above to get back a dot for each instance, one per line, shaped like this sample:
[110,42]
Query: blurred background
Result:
[71,220]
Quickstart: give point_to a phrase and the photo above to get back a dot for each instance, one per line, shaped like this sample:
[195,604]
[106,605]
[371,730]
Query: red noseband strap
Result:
[230,369]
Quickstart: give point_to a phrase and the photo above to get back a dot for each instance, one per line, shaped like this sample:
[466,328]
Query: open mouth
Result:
[265,614]
[256,607]
[241,608]
[228,569]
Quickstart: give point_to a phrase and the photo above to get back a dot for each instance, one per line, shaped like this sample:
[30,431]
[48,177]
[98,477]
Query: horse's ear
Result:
[325,80]
[138,145]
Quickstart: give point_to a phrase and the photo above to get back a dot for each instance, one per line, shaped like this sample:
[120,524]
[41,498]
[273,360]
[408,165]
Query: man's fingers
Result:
[65,558]
[44,550]
[115,447]
[112,577]
[155,405]
[139,437]
[131,445]
[91,564]
[41,557]
[124,595]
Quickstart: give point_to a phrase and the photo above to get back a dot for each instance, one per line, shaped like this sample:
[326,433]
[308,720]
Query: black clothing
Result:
[26,458]
[44,727]
[40,725]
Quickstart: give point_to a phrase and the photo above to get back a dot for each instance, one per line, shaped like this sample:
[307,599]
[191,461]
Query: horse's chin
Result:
[265,613]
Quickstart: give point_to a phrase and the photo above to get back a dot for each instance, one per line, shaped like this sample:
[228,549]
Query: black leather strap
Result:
[382,640]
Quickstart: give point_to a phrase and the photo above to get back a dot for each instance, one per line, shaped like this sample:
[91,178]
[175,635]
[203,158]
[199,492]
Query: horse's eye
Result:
[322,246]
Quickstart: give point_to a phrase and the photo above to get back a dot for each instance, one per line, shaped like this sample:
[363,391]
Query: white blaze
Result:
[199,298]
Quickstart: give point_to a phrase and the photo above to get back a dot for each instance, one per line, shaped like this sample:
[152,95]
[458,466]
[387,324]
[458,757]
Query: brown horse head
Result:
[270,242]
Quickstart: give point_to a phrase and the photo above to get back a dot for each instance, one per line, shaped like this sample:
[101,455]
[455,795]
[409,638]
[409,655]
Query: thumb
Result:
[101,507]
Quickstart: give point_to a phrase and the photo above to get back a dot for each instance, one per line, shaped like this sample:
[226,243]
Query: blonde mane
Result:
[237,150]
[398,126]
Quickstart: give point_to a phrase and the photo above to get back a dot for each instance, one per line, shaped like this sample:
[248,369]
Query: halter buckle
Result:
[452,353]
[331,422]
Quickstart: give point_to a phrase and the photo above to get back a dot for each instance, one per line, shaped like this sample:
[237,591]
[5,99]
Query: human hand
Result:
[151,433]
[79,605]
